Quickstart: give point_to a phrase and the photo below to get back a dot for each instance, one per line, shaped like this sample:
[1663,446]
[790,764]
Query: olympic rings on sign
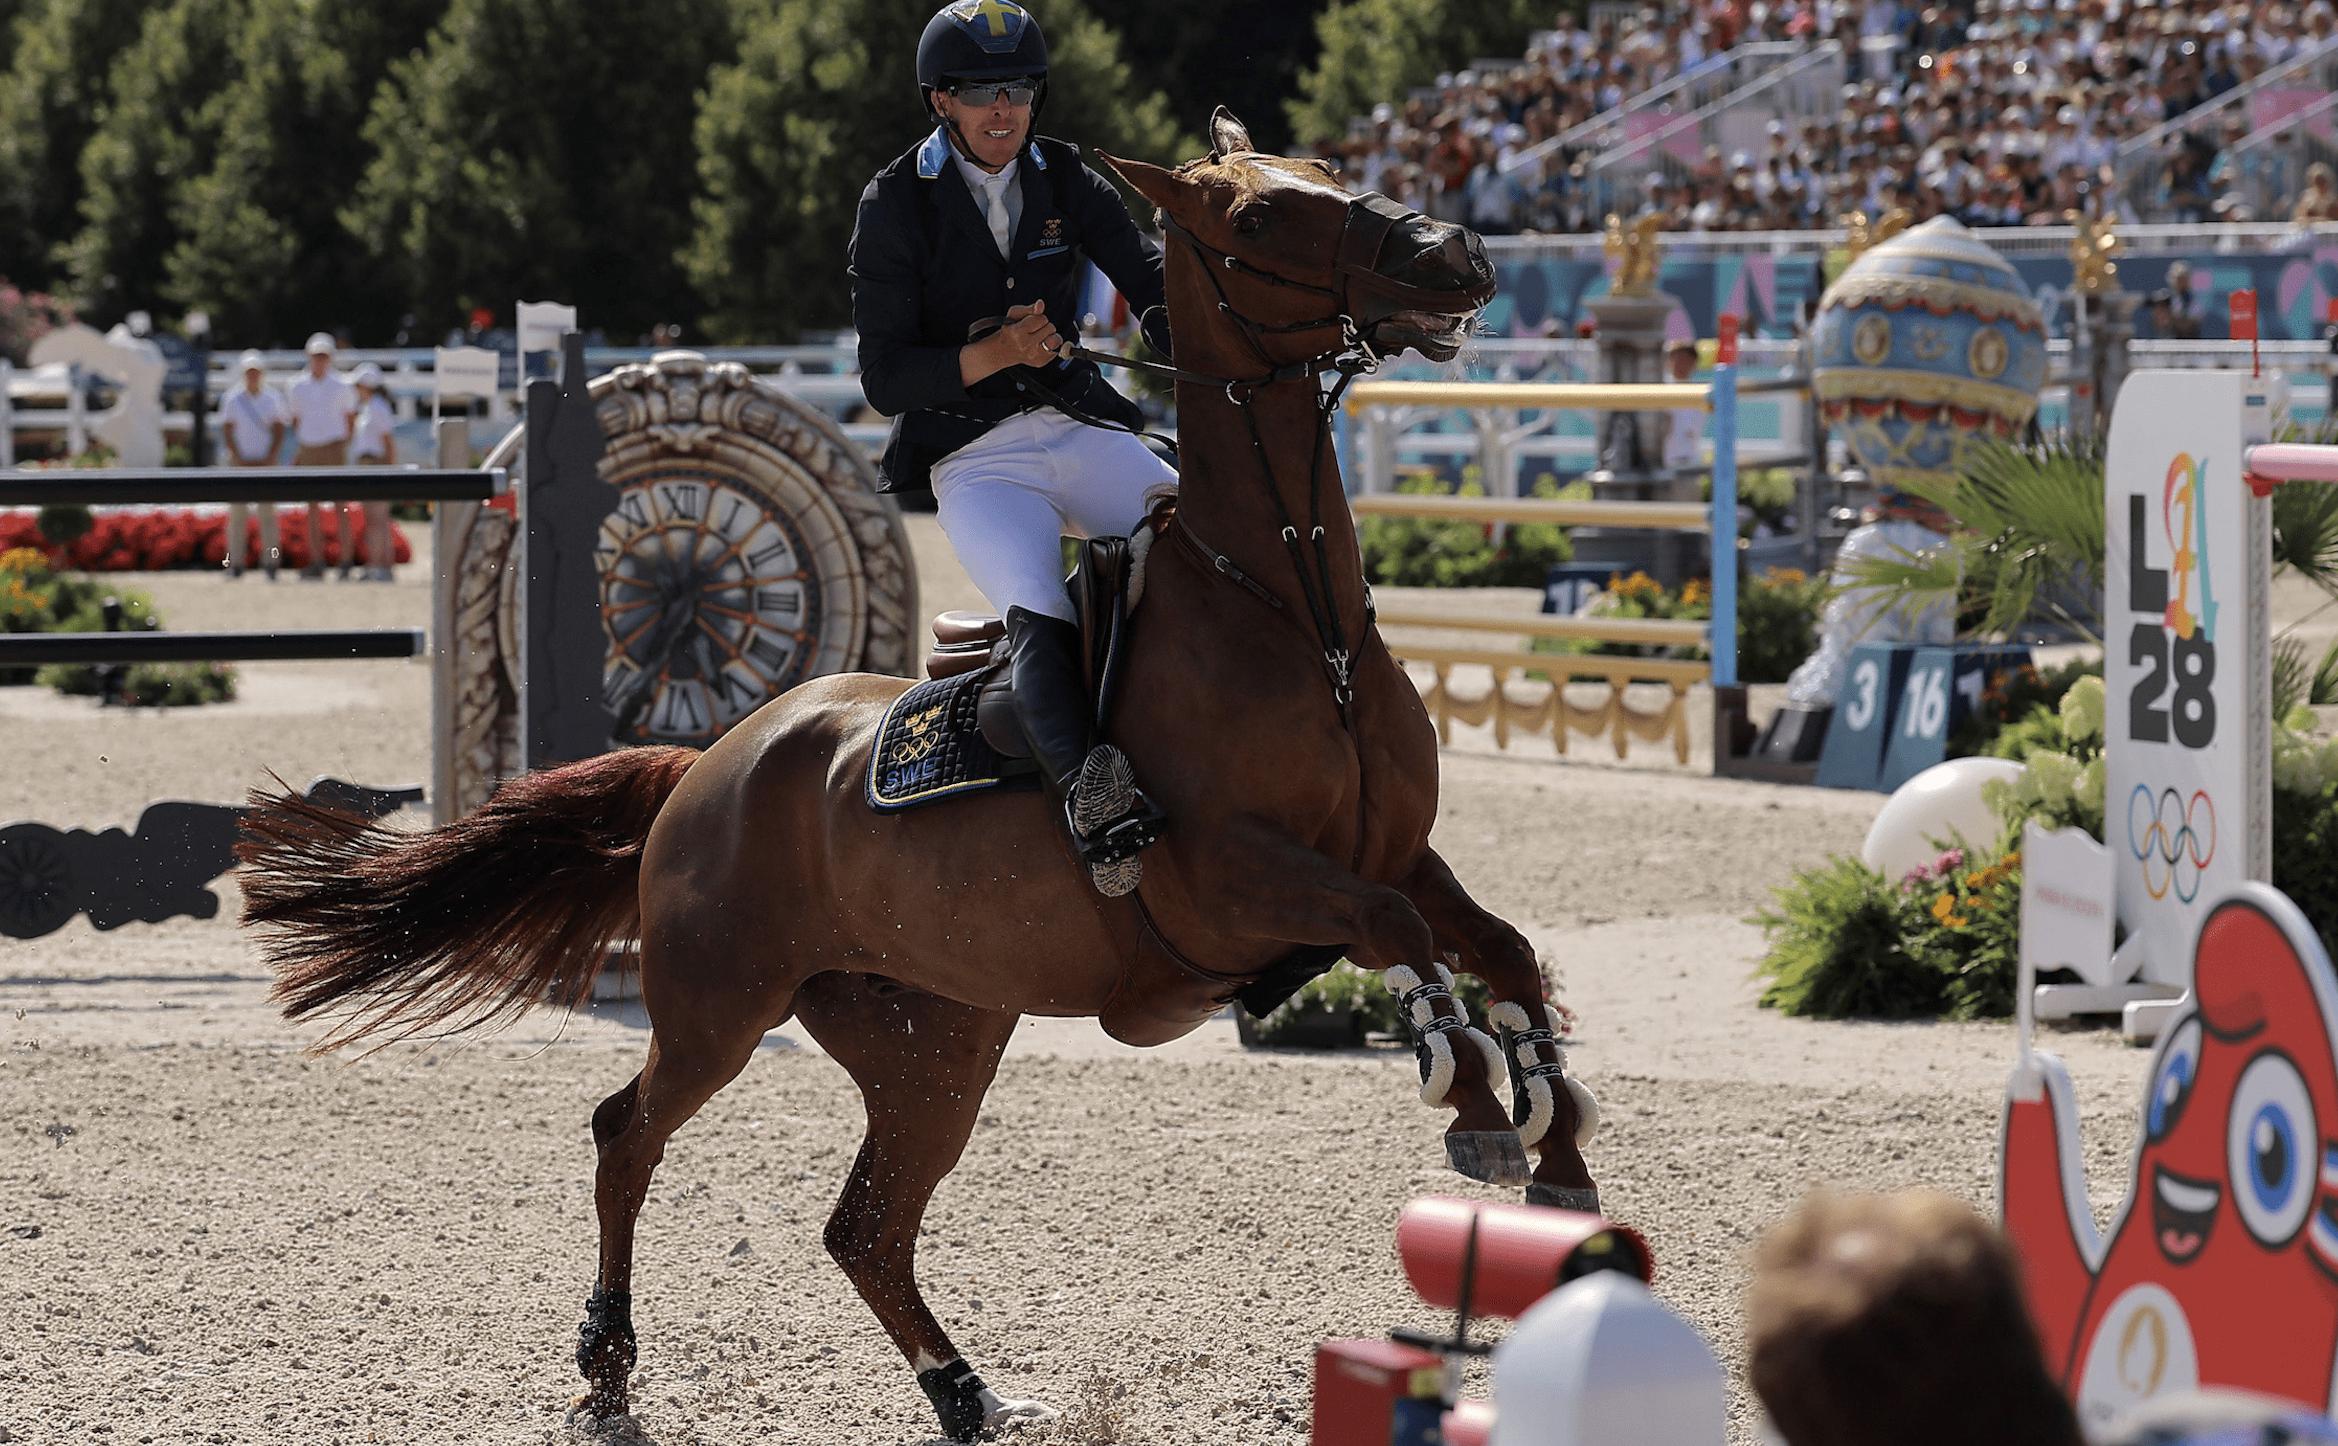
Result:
[2178,843]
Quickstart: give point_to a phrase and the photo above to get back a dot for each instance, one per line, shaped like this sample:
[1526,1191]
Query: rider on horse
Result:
[1019,443]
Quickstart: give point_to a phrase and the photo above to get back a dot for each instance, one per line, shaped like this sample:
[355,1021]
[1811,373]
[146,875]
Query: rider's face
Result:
[994,132]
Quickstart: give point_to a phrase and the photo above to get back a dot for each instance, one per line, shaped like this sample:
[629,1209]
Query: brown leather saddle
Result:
[1162,995]
[966,642]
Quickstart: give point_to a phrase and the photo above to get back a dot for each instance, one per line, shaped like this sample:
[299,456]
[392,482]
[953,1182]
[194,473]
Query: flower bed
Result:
[1945,940]
[1777,619]
[155,539]
[36,598]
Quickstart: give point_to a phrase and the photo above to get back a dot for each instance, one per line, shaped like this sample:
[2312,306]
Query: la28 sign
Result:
[2187,669]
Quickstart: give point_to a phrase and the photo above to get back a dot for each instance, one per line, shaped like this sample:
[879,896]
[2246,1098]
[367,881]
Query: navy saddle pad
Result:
[930,747]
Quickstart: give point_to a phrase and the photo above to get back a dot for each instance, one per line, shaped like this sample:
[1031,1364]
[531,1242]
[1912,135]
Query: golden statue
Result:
[1865,234]
[2091,250]
[1635,250]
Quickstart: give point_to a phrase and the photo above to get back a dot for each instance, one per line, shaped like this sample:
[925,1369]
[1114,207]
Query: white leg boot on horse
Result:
[1447,1045]
[1266,881]
[1554,1122]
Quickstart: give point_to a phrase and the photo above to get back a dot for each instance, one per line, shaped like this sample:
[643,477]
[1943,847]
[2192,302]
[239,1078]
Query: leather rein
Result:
[1371,219]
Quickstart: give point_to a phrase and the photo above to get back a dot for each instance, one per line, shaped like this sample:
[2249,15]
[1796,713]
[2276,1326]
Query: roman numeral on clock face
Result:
[686,500]
[769,553]
[732,693]
[679,713]
[788,602]
[770,653]
[634,508]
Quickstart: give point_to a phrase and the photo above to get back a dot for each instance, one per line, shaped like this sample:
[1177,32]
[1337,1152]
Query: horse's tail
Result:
[513,904]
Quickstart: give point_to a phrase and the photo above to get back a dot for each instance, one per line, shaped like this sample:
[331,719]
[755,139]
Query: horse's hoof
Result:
[1582,1198]
[1016,1413]
[598,1405]
[1493,1156]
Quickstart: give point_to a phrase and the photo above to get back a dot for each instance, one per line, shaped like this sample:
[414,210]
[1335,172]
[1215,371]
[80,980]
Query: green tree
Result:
[1377,50]
[1239,54]
[822,95]
[158,129]
[265,252]
[51,92]
[537,148]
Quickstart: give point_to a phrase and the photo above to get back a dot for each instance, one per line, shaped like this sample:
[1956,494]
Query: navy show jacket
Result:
[925,272]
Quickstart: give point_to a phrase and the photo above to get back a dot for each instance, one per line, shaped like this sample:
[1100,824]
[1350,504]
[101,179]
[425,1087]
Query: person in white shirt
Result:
[1684,427]
[372,445]
[323,407]
[252,419]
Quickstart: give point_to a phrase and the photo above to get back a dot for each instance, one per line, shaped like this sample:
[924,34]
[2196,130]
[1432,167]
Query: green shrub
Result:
[1436,552]
[36,598]
[1777,620]
[146,685]
[64,523]
[1346,987]
[1845,942]
[1777,623]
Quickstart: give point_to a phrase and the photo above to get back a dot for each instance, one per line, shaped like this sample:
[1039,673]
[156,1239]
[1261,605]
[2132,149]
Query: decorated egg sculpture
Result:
[1925,345]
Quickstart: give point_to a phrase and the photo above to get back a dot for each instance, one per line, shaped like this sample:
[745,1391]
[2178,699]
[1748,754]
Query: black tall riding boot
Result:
[1109,819]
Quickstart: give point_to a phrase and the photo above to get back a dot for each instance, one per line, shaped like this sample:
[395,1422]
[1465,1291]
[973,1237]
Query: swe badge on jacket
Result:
[1050,240]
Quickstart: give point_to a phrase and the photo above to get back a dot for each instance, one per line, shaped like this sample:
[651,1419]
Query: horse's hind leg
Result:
[631,1127]
[923,1065]
[1556,1115]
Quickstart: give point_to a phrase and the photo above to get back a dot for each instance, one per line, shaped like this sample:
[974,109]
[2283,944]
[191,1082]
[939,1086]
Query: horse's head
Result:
[1308,266]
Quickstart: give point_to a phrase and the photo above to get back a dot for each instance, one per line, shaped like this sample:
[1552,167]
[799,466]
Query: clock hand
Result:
[673,618]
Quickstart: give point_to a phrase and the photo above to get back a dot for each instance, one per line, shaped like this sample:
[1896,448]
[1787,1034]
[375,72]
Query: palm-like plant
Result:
[2028,543]
[2028,540]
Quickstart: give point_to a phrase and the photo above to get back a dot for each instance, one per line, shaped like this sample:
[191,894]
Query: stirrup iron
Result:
[1111,821]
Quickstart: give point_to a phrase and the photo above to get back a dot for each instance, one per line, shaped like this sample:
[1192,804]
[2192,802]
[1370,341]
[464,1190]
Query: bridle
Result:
[1371,219]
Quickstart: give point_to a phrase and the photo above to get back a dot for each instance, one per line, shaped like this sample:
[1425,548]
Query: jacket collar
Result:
[933,156]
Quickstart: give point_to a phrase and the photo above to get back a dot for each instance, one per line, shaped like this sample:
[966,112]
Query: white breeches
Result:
[1006,499]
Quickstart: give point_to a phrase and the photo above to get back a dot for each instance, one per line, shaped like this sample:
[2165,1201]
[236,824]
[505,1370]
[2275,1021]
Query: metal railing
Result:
[2143,163]
[1691,90]
[1806,85]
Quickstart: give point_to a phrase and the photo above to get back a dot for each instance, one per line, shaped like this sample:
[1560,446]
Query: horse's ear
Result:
[1227,135]
[1163,187]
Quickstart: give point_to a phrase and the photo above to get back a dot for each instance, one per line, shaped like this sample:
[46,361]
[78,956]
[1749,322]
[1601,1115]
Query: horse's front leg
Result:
[1269,886]
[1556,1115]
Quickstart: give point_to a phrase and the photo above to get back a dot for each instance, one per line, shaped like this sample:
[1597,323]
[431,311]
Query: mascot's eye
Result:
[1250,220]
[2171,1086]
[2272,1149]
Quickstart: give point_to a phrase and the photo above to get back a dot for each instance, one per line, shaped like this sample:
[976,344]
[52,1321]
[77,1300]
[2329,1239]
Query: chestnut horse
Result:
[1290,752]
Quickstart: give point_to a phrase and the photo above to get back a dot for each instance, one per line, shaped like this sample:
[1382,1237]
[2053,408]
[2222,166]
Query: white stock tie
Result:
[995,190]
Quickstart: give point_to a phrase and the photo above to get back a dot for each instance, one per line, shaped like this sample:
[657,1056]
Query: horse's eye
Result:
[1250,219]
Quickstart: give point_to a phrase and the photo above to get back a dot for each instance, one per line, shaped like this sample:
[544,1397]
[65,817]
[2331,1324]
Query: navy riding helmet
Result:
[978,40]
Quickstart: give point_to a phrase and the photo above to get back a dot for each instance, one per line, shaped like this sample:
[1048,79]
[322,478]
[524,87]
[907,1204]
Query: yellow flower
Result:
[24,560]
[1944,909]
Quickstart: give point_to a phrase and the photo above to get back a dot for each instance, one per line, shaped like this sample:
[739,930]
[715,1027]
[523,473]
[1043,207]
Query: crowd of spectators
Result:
[1998,112]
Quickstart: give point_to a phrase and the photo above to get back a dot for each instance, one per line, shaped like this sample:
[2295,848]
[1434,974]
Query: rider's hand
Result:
[1029,338]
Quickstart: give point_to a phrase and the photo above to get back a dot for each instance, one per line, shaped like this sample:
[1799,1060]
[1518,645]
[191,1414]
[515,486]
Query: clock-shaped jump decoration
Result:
[747,551]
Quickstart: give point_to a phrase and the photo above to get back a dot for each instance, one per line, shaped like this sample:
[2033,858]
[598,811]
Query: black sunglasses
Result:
[1017,92]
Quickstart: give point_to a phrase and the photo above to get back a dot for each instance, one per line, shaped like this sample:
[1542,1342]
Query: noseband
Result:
[1371,219]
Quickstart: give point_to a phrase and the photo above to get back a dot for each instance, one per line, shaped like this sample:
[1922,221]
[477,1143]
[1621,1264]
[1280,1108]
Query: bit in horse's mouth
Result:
[1437,334]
